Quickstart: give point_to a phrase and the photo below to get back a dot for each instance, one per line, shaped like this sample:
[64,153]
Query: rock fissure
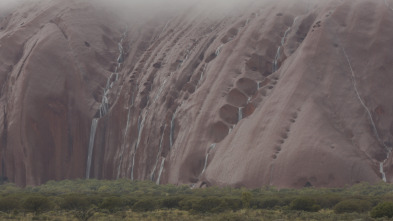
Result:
[26,58]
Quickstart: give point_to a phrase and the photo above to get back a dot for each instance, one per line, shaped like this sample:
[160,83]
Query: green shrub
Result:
[83,215]
[144,205]
[112,204]
[352,205]
[384,209]
[95,199]
[9,203]
[328,201]
[305,204]
[285,200]
[75,202]
[233,204]
[37,204]
[230,217]
[267,203]
[129,201]
[246,199]
[186,203]
[171,202]
[211,204]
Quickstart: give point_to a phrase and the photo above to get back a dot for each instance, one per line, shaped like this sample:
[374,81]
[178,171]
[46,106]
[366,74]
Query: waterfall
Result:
[383,162]
[172,129]
[360,99]
[204,166]
[124,143]
[240,114]
[207,156]
[387,5]
[133,164]
[202,73]
[294,20]
[104,108]
[285,35]
[187,54]
[158,155]
[108,82]
[141,124]
[132,99]
[91,146]
[159,91]
[120,46]
[163,29]
[104,104]
[120,59]
[161,169]
[275,62]
[128,121]
[287,31]
[353,77]
[381,170]
[218,51]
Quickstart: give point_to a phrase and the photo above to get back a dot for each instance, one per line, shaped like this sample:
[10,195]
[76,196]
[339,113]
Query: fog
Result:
[147,8]
[172,4]
[153,8]
[142,9]
[8,5]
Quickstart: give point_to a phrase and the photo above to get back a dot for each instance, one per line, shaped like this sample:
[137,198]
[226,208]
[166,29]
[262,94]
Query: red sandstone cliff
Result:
[283,93]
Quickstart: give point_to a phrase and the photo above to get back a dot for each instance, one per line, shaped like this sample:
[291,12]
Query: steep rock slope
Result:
[283,93]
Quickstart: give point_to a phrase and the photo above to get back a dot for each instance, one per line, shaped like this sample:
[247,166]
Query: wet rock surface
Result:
[283,93]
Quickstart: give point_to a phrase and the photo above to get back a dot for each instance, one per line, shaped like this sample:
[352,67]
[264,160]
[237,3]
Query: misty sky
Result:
[145,8]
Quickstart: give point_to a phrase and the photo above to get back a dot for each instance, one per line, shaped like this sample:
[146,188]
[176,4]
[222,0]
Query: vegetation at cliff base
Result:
[143,200]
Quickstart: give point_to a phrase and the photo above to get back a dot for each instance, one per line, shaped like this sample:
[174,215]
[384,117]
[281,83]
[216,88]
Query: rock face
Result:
[283,93]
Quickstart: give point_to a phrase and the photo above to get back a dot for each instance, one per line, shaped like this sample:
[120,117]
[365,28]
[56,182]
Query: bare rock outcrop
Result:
[283,93]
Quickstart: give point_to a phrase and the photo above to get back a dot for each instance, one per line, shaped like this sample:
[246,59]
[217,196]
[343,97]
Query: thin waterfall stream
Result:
[207,156]
[91,145]
[172,130]
[387,5]
[158,155]
[218,50]
[353,77]
[141,123]
[240,114]
[281,47]
[161,169]
[124,142]
[104,105]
